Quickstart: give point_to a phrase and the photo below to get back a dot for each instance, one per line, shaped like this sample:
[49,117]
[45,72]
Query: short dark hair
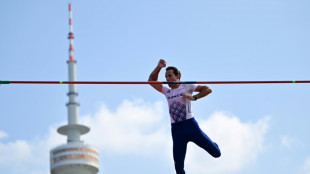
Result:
[175,70]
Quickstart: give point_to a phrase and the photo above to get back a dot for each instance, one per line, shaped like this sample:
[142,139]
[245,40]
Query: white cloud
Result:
[14,152]
[286,141]
[290,142]
[138,127]
[306,166]
[3,134]
[142,128]
[32,156]
[135,127]
[240,143]
[53,139]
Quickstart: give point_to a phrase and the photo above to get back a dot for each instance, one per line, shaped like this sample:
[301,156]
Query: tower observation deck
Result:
[75,157]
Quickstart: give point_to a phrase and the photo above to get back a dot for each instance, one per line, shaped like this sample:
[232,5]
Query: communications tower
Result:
[75,157]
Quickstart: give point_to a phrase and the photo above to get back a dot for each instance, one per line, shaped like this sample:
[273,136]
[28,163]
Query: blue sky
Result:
[260,128]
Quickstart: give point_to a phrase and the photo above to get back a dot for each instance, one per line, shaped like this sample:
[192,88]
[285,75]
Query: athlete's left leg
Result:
[203,141]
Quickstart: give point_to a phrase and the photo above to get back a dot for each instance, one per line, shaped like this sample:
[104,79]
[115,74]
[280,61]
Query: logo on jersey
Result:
[174,96]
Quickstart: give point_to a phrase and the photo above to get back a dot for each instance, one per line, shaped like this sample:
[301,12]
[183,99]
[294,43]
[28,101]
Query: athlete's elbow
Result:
[208,90]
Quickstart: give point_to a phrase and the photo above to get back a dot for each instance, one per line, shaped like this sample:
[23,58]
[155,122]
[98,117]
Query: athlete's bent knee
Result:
[217,154]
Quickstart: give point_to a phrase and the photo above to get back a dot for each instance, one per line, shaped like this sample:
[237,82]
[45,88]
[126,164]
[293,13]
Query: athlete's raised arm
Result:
[154,75]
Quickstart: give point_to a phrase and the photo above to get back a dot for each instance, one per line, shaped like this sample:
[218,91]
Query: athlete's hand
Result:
[161,63]
[188,96]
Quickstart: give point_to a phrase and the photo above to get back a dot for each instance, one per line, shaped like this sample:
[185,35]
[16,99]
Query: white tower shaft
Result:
[75,157]
[73,130]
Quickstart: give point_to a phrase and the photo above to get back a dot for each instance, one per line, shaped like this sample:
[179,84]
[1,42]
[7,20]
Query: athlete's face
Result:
[170,76]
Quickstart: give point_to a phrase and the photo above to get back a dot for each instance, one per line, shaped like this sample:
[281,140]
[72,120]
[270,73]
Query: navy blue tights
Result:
[184,132]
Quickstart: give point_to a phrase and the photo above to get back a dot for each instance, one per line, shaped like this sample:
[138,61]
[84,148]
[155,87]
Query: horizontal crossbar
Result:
[154,82]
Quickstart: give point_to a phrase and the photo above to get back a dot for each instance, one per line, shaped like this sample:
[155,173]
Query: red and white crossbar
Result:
[154,82]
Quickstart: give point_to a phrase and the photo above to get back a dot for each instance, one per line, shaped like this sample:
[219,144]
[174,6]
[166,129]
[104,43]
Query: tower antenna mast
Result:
[75,157]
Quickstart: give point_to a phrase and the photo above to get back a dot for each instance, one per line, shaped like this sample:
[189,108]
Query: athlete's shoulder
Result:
[165,90]
[190,87]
